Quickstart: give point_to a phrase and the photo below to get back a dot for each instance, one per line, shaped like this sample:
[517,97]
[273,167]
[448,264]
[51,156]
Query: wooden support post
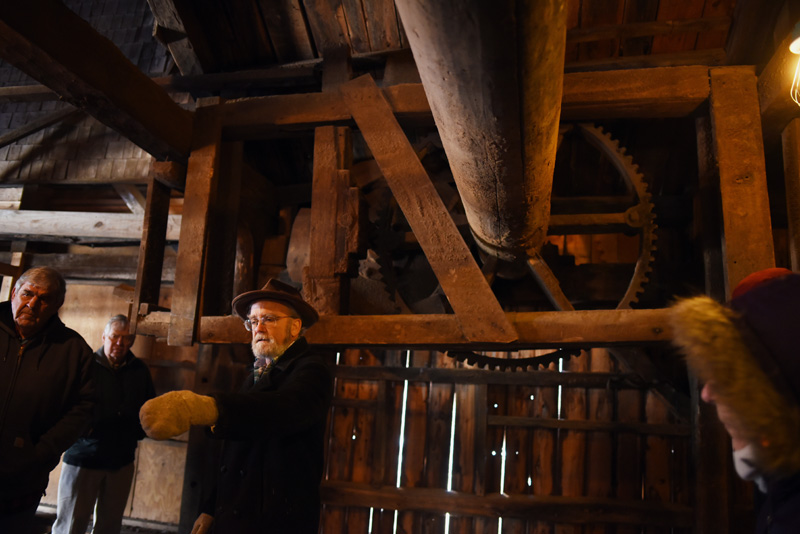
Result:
[323,284]
[739,149]
[201,178]
[151,251]
[791,173]
[476,307]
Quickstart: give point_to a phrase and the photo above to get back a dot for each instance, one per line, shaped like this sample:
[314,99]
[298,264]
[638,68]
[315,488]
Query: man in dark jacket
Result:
[46,393]
[747,355]
[274,428]
[99,467]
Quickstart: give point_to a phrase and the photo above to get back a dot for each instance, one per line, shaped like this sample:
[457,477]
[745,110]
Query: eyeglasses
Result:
[252,323]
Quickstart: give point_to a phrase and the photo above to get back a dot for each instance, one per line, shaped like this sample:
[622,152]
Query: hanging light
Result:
[794,47]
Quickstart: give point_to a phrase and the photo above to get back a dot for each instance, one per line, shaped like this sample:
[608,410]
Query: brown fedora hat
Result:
[279,292]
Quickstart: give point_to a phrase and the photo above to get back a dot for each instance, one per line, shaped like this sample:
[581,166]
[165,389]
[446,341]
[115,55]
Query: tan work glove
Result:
[171,414]
[203,523]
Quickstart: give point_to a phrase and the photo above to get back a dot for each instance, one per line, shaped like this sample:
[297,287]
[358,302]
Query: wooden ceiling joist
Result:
[74,226]
[50,43]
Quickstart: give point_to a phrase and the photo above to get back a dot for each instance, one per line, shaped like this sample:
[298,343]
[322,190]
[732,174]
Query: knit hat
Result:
[278,291]
[749,350]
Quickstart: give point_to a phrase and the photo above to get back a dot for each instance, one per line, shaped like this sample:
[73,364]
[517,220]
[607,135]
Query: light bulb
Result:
[795,90]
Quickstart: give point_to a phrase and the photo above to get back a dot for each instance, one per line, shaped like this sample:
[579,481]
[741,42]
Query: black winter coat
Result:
[111,441]
[780,513]
[272,459]
[46,402]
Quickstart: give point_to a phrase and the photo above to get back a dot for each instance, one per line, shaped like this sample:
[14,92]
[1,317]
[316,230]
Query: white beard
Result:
[266,347]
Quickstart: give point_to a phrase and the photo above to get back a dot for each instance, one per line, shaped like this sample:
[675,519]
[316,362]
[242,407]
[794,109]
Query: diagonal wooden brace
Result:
[477,309]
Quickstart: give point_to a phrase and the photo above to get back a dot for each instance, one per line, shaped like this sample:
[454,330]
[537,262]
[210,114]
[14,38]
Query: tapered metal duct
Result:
[493,73]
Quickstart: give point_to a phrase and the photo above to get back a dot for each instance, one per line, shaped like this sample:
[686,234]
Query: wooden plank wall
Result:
[490,457]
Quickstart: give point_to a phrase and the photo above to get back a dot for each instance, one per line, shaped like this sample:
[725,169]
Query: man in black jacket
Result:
[46,393]
[274,428]
[99,467]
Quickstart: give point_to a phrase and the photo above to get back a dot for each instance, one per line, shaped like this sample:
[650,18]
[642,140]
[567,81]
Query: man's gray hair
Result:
[120,319]
[44,276]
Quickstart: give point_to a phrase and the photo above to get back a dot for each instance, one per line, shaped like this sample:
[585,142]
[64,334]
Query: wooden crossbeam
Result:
[470,296]
[49,42]
[570,329]
[658,92]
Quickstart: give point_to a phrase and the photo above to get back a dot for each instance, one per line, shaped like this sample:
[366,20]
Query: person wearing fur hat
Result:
[746,355]
[274,427]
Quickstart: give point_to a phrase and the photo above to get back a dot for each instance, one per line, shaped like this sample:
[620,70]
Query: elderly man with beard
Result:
[274,427]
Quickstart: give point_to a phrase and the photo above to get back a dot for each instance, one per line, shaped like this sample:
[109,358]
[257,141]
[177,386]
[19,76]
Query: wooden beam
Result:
[151,250]
[132,197]
[774,88]
[739,150]
[710,57]
[791,176]
[201,178]
[78,225]
[322,284]
[646,29]
[109,266]
[661,92]
[574,510]
[170,31]
[38,124]
[570,329]
[644,93]
[470,296]
[50,43]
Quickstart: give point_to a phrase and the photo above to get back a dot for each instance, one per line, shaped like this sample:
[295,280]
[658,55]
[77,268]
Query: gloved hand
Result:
[203,523]
[171,414]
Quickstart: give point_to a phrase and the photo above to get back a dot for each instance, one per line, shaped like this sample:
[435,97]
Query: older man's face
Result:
[274,327]
[117,340]
[32,306]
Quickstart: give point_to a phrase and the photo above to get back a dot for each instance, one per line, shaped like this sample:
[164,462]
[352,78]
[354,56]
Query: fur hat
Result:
[749,349]
[277,291]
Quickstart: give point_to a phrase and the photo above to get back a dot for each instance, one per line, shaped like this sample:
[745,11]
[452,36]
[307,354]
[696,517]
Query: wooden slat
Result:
[676,10]
[715,35]
[287,29]
[736,120]
[382,25]
[470,296]
[631,30]
[791,174]
[72,225]
[201,177]
[52,44]
[582,328]
[327,23]
[711,57]
[132,197]
[575,510]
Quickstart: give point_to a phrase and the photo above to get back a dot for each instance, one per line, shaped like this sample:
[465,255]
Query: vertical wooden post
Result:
[201,178]
[791,174]
[322,281]
[151,250]
[739,149]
